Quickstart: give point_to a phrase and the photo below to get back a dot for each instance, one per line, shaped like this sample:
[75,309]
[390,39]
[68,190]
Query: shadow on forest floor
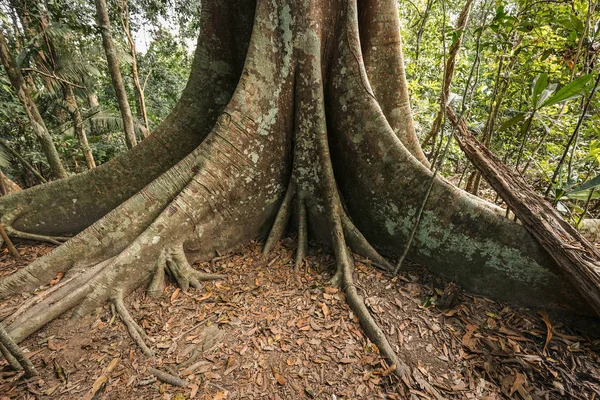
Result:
[285,335]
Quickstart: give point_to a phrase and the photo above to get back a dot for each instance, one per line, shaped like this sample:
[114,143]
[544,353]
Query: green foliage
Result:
[63,47]
[537,60]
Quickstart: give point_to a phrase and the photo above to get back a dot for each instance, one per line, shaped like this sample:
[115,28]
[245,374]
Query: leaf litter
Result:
[269,332]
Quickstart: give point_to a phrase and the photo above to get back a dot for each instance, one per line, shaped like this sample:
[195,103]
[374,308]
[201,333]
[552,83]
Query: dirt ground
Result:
[268,332]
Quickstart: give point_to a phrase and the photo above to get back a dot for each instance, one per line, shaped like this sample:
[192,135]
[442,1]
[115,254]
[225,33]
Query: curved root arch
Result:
[304,88]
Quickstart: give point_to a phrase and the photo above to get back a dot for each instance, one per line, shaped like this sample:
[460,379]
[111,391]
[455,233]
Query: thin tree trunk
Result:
[115,73]
[22,160]
[37,123]
[78,126]
[572,137]
[461,24]
[140,98]
[575,255]
[92,99]
[422,29]
[17,33]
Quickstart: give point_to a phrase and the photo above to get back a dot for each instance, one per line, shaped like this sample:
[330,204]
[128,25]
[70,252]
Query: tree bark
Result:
[140,98]
[78,126]
[285,118]
[8,185]
[37,123]
[572,252]
[115,72]
[461,24]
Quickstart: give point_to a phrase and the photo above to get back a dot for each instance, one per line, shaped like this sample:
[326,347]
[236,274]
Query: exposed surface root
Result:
[14,355]
[373,331]
[302,233]
[135,331]
[182,272]
[281,220]
[360,245]
[174,262]
[167,378]
[14,233]
[12,361]
[327,203]
[157,283]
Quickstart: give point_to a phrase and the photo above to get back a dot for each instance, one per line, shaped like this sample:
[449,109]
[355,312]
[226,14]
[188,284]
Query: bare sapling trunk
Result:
[461,24]
[295,111]
[114,71]
[22,160]
[37,123]
[571,251]
[139,91]
[78,126]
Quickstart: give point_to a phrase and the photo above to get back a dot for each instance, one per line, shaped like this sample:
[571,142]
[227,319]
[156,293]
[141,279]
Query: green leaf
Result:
[539,84]
[513,121]
[569,91]
[583,195]
[592,183]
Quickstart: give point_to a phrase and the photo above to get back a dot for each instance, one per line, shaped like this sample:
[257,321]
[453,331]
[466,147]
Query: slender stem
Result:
[22,160]
[572,138]
[525,136]
[587,207]
[53,76]
[425,199]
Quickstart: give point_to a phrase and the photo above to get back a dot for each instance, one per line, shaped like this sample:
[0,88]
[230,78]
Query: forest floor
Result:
[268,332]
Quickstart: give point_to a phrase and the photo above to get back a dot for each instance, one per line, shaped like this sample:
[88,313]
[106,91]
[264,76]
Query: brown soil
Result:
[286,335]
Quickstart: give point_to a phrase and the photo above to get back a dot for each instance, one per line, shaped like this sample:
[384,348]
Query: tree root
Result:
[13,354]
[17,234]
[167,378]
[310,86]
[12,361]
[175,263]
[281,219]
[136,332]
[302,233]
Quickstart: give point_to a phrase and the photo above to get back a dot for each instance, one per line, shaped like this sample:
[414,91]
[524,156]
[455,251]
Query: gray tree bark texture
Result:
[295,110]
[114,71]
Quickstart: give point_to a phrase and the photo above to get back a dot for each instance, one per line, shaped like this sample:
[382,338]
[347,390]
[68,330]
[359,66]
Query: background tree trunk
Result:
[461,24]
[110,50]
[139,96]
[37,123]
[78,126]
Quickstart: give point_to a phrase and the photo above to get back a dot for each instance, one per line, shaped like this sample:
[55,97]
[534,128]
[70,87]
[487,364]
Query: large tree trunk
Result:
[37,123]
[311,126]
[115,73]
